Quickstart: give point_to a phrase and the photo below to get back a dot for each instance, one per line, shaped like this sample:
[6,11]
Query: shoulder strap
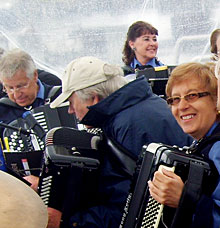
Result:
[205,144]
[8,102]
[124,157]
[190,196]
[192,189]
[53,91]
[127,70]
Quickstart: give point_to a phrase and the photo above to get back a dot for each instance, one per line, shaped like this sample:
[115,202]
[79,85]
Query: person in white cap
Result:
[100,96]
[21,207]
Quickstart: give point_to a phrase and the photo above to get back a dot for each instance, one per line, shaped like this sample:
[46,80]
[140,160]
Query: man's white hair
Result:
[103,89]
[15,60]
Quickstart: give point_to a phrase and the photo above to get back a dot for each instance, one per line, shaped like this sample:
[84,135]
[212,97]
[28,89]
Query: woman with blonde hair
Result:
[192,97]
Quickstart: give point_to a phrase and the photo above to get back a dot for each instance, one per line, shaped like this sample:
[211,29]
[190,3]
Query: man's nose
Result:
[16,93]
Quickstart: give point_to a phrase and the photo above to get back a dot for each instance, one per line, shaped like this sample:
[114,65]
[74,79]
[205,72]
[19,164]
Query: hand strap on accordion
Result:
[190,196]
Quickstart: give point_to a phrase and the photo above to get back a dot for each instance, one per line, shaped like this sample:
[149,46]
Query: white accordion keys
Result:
[154,210]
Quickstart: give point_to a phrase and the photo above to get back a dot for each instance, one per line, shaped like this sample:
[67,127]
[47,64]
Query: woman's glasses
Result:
[191,97]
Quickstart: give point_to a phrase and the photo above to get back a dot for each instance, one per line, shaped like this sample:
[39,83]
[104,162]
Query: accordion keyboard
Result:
[152,214]
[47,118]
[154,210]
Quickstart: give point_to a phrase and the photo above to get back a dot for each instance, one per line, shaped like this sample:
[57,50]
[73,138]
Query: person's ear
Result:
[96,99]
[131,44]
[35,76]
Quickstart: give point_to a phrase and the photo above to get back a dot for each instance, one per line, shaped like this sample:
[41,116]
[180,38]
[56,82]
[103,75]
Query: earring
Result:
[134,49]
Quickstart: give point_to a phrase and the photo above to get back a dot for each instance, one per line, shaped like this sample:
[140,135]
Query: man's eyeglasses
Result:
[19,88]
[191,97]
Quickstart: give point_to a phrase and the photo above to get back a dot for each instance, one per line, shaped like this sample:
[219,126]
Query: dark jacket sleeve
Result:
[112,193]
[48,78]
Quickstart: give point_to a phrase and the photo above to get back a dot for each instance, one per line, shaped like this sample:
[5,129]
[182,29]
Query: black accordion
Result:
[45,119]
[68,181]
[156,76]
[142,210]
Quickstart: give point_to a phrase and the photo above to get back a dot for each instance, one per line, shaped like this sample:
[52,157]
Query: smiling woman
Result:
[198,85]
[140,48]
[192,95]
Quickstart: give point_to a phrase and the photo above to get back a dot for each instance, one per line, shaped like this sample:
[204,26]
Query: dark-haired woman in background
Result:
[140,48]
[215,43]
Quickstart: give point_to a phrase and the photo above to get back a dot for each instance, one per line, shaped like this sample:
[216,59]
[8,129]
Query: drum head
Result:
[20,206]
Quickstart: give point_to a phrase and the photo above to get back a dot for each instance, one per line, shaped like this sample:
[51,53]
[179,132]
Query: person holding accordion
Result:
[192,95]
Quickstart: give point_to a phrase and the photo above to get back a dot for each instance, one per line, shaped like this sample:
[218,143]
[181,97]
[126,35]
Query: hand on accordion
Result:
[166,188]
[54,218]
[34,180]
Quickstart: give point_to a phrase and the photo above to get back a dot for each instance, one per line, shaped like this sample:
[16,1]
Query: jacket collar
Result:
[127,96]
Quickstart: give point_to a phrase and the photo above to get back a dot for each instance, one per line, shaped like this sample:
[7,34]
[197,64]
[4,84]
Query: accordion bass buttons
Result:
[45,189]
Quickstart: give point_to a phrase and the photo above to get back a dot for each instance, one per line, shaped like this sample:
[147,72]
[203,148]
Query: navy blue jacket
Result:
[207,213]
[133,116]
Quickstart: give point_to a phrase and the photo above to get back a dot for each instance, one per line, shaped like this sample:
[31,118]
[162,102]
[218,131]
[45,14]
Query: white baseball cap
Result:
[82,73]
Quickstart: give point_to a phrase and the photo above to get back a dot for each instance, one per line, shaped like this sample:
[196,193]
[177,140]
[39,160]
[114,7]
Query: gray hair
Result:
[15,60]
[103,89]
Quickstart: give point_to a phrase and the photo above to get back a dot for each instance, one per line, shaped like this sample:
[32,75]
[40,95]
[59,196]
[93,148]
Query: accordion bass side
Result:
[46,118]
[68,181]
[141,210]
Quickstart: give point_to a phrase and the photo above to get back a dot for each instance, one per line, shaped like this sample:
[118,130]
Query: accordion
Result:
[156,76]
[68,181]
[44,119]
[141,210]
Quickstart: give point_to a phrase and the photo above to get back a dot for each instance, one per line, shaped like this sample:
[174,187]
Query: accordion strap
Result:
[53,93]
[8,102]
[190,196]
[123,157]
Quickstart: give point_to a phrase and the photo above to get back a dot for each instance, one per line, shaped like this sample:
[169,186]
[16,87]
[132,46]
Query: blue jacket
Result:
[207,213]
[133,116]
[135,64]
[153,62]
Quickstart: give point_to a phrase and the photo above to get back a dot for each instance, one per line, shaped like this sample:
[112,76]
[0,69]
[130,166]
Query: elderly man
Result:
[19,77]
[44,76]
[129,113]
